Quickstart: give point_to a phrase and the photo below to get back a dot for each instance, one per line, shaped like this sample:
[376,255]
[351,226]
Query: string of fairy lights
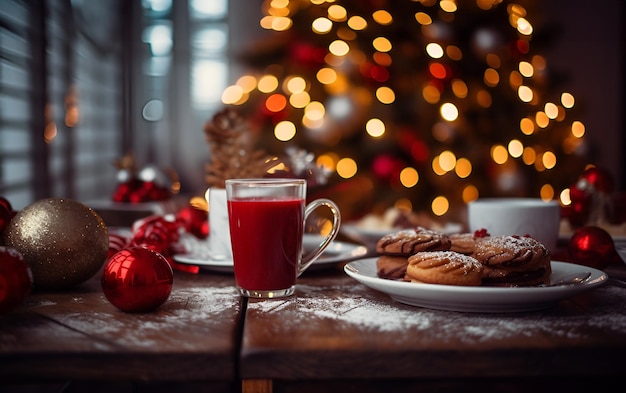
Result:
[344,53]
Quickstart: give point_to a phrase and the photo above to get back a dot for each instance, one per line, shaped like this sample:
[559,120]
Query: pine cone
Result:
[232,153]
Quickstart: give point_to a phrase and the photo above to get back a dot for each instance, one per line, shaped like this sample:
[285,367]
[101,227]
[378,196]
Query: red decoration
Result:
[117,242]
[137,191]
[137,279]
[194,220]
[592,246]
[16,279]
[5,218]
[155,232]
[599,179]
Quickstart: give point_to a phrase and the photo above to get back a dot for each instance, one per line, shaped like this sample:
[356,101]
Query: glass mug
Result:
[266,218]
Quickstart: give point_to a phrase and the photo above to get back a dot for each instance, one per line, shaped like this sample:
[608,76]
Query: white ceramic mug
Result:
[517,216]
[219,230]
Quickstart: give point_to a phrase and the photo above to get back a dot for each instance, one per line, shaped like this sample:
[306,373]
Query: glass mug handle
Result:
[307,260]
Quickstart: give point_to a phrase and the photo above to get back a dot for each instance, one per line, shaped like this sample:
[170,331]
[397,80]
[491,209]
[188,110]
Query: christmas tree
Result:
[425,104]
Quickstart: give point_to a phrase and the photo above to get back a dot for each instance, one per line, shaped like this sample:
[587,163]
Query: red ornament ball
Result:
[194,220]
[16,279]
[137,279]
[592,246]
[600,179]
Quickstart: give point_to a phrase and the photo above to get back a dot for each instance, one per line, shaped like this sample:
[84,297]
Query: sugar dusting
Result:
[202,308]
[366,313]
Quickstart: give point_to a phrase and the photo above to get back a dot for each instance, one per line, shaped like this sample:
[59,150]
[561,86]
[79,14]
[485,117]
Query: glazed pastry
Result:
[410,241]
[444,267]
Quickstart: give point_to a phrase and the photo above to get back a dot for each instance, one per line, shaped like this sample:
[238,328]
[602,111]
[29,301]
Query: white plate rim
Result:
[475,299]
[341,252]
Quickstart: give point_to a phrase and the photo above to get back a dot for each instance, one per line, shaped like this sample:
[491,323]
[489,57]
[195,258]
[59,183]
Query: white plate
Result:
[370,236]
[335,252]
[475,299]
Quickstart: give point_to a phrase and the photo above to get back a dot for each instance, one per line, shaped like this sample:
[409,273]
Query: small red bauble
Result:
[194,220]
[16,279]
[5,218]
[592,246]
[137,279]
[598,178]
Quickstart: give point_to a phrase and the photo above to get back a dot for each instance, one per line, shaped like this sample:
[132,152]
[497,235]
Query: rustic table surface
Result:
[335,334]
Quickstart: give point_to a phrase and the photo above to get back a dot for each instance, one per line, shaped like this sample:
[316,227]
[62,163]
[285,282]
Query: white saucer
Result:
[476,299]
[336,252]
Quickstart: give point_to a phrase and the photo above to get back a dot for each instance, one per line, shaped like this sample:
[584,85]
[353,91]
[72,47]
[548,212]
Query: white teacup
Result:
[517,216]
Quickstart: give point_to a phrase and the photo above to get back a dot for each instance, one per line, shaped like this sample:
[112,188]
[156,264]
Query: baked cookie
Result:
[444,267]
[466,243]
[391,267]
[410,241]
[513,261]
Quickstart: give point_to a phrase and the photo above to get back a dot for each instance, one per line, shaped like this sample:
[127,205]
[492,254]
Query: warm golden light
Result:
[382,44]
[346,168]
[375,128]
[314,111]
[552,111]
[578,129]
[524,26]
[281,23]
[470,193]
[322,25]
[567,100]
[542,119]
[526,69]
[339,48]
[409,177]
[295,85]
[326,76]
[434,50]
[447,160]
[525,93]
[299,100]
[565,198]
[546,193]
[232,94]
[449,111]
[328,161]
[357,23]
[491,77]
[459,88]
[382,17]
[548,159]
[385,95]
[463,168]
[285,131]
[527,126]
[529,156]
[431,94]
[448,5]
[267,84]
[423,18]
[515,148]
[247,83]
[337,13]
[440,205]
[499,154]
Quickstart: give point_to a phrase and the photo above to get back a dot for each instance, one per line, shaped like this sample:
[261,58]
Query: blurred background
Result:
[425,105]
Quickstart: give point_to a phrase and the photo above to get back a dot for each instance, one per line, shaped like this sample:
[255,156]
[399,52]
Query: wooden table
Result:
[78,335]
[333,335]
[338,335]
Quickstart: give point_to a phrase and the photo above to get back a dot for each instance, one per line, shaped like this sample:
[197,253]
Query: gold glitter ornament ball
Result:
[64,242]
